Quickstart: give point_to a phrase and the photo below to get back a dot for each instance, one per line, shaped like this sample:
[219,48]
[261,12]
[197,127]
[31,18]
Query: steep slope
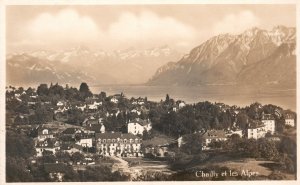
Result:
[277,69]
[220,59]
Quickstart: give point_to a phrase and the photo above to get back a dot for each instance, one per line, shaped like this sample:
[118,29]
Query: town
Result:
[56,133]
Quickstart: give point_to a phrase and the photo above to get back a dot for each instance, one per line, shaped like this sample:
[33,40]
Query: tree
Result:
[102,95]
[63,156]
[268,149]
[75,116]
[42,90]
[167,101]
[19,148]
[100,173]
[242,120]
[19,145]
[77,157]
[43,114]
[85,91]
[147,135]
[56,90]
[192,144]
[16,170]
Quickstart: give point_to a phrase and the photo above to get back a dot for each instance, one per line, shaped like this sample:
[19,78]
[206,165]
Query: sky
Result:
[117,27]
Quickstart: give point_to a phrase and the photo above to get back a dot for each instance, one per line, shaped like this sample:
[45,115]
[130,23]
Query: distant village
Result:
[67,120]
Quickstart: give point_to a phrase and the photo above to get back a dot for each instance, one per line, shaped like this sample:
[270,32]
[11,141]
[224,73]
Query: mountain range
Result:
[130,66]
[254,57]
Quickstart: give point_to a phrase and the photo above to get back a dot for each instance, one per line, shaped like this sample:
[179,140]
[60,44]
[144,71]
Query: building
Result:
[256,132]
[85,141]
[92,121]
[138,126]
[289,120]
[44,133]
[48,145]
[71,148]
[136,111]
[60,103]
[181,105]
[118,144]
[96,128]
[269,121]
[81,107]
[138,101]
[61,109]
[159,146]
[213,136]
[72,132]
[114,100]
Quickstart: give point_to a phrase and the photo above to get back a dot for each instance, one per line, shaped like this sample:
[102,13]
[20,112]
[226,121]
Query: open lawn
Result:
[262,167]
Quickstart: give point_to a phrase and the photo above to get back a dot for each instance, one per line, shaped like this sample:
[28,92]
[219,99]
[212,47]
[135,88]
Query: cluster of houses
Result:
[93,135]
[255,129]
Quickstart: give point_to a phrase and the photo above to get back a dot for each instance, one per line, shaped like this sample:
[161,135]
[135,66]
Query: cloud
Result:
[65,26]
[236,23]
[149,27]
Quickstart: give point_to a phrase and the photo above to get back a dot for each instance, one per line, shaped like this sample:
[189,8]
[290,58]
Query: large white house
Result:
[118,144]
[269,122]
[256,132]
[138,126]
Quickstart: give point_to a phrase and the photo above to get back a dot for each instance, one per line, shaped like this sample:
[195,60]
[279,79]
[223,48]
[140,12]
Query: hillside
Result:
[228,59]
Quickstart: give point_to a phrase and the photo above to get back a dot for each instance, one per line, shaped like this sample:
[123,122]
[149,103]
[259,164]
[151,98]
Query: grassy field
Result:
[261,167]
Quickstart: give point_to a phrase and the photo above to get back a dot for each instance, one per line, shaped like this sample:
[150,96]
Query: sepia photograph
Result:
[150,92]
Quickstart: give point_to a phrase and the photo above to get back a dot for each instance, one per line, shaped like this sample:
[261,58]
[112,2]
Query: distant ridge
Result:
[74,65]
[254,57]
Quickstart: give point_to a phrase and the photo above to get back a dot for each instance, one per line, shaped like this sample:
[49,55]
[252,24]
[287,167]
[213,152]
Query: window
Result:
[125,140]
[104,140]
[113,140]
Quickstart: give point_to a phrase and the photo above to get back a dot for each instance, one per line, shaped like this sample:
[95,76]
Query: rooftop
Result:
[116,135]
[141,122]
[267,117]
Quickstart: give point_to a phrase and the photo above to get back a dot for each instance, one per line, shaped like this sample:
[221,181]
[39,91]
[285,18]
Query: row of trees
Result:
[60,92]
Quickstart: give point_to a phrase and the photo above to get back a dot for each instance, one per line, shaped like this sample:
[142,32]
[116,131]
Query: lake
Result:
[228,94]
